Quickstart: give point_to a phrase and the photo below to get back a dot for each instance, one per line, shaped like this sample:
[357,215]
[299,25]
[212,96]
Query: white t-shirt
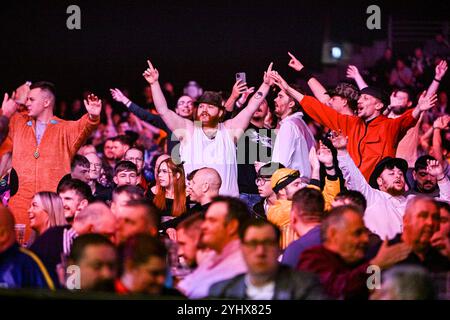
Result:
[265,292]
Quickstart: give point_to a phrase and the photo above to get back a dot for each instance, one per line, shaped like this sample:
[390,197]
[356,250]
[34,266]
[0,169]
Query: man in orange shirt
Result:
[371,135]
[43,145]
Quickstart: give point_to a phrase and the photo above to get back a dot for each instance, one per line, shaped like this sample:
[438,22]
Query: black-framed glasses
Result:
[261,180]
[96,165]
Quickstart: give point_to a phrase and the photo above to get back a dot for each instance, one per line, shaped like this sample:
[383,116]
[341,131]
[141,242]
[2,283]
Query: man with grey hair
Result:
[340,261]
[421,221]
[98,190]
[406,282]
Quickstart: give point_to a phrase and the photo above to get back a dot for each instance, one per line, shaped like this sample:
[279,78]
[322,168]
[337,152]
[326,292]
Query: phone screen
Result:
[241,76]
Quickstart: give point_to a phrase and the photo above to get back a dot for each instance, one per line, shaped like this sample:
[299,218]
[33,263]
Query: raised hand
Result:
[313,159]
[442,122]
[294,63]
[435,168]
[395,101]
[353,72]
[119,96]
[93,105]
[425,103]
[279,81]
[9,105]
[338,140]
[245,95]
[388,255]
[22,93]
[441,69]
[238,89]
[151,74]
[267,79]
[441,243]
[324,155]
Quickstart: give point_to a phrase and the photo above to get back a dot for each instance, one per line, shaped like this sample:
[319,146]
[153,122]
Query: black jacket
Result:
[289,285]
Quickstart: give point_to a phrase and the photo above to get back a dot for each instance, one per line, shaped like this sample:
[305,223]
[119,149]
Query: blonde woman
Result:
[46,211]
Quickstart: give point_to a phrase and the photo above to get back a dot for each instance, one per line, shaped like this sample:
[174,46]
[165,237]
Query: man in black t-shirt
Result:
[254,145]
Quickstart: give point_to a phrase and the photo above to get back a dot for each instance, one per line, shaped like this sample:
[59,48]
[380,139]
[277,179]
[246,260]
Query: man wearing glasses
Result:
[265,191]
[99,191]
[266,278]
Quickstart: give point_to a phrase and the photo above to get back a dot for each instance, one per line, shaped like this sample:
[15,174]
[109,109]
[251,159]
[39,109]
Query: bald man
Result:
[96,218]
[19,267]
[204,184]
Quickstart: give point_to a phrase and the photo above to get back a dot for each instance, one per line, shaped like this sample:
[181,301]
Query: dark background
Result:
[207,41]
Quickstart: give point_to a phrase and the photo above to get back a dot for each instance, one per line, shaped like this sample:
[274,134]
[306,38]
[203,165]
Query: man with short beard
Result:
[424,183]
[108,153]
[385,192]
[208,141]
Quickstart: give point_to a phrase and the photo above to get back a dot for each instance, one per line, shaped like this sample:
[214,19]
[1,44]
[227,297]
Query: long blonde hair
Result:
[53,205]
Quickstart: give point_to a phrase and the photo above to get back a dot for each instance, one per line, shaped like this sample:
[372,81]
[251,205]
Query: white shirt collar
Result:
[292,116]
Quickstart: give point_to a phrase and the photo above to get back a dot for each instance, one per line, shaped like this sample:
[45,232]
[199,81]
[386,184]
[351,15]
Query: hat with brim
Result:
[389,163]
[376,93]
[210,97]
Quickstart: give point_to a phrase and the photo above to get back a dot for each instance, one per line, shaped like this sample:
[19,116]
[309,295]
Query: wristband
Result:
[442,178]
[305,74]
[436,80]
[330,167]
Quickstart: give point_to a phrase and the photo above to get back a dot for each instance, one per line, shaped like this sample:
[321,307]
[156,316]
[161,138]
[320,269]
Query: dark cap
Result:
[345,90]
[376,93]
[389,163]
[210,97]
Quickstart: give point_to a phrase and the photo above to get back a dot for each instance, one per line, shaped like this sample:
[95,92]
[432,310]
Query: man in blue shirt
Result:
[306,216]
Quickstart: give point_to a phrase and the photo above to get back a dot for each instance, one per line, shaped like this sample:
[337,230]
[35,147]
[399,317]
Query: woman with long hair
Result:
[169,193]
[46,211]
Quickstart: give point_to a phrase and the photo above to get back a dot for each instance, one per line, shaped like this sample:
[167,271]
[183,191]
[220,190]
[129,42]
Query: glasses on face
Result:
[266,243]
[96,165]
[260,181]
[134,159]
